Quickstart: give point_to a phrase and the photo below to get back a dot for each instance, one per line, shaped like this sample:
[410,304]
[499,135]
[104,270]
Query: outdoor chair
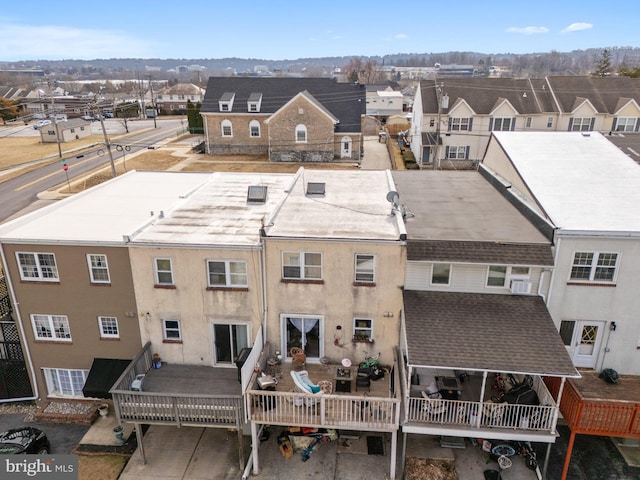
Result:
[298,358]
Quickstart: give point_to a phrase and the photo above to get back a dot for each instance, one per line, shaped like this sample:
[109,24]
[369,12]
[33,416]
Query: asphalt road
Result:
[20,192]
[63,438]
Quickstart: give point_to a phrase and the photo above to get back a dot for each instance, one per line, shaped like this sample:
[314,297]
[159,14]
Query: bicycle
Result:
[370,361]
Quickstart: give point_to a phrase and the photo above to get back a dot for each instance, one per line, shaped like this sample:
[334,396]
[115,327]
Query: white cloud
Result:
[528,30]
[576,27]
[18,42]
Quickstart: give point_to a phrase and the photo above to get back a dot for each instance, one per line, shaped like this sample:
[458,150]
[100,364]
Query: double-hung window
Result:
[594,267]
[460,124]
[625,124]
[502,124]
[51,327]
[164,271]
[457,152]
[171,330]
[302,265]
[108,327]
[578,124]
[227,273]
[37,266]
[365,268]
[301,134]
[497,276]
[98,268]
[227,129]
[362,329]
[254,129]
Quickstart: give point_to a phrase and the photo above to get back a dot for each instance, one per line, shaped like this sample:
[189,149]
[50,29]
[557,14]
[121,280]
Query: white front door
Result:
[345,147]
[585,342]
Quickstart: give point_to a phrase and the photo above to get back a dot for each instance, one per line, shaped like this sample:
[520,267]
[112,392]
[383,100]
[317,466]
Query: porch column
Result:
[138,428]
[482,387]
[240,442]
[394,446]
[254,448]
[546,462]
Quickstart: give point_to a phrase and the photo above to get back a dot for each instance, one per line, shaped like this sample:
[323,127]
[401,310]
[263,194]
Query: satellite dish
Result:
[393,197]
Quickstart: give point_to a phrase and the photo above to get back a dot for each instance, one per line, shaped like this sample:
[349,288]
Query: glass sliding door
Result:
[228,340]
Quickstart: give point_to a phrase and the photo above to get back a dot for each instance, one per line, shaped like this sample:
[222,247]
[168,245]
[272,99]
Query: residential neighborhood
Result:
[356,271]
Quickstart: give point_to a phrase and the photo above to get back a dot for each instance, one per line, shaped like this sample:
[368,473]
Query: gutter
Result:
[22,333]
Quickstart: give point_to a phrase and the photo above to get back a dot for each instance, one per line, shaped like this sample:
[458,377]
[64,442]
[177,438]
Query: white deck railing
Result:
[324,411]
[458,413]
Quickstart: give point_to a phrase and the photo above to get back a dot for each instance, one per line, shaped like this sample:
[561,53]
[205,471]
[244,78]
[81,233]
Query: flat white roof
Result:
[582,180]
[354,206]
[106,212]
[218,212]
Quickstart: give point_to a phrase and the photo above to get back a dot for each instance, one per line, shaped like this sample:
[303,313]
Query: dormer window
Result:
[226,101]
[254,102]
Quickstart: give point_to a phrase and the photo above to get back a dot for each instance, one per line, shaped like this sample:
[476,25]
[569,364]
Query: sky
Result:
[288,30]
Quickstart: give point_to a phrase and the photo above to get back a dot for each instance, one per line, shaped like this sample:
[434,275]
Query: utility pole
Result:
[107,142]
[153,104]
[55,121]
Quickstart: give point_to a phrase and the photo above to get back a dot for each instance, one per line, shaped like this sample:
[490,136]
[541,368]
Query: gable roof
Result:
[481,94]
[582,181]
[345,101]
[500,333]
[310,98]
[603,92]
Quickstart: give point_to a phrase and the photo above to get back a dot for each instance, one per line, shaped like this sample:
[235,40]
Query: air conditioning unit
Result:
[520,286]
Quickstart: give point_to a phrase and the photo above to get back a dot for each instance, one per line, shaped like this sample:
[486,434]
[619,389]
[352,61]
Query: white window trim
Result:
[502,120]
[593,267]
[102,320]
[580,122]
[157,271]
[252,124]
[365,271]
[629,124]
[454,152]
[460,124]
[38,268]
[359,330]
[448,284]
[165,330]
[50,373]
[301,128]
[223,124]
[228,275]
[506,279]
[50,321]
[101,268]
[302,265]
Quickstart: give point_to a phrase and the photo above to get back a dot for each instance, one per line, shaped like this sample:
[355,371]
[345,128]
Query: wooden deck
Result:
[592,406]
[373,409]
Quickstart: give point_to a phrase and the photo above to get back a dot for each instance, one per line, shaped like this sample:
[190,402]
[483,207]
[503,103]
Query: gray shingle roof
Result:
[483,94]
[474,331]
[604,93]
[346,101]
[480,252]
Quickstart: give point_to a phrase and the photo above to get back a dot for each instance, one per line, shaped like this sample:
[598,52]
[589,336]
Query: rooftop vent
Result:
[315,188]
[257,194]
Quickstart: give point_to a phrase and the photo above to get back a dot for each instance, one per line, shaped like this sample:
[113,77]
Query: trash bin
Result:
[492,475]
[240,361]
[119,433]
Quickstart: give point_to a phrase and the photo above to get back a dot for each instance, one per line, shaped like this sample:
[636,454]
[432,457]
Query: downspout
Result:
[263,274]
[553,272]
[27,352]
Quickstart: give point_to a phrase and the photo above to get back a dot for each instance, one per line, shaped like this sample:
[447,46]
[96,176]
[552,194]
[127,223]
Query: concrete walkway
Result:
[376,156]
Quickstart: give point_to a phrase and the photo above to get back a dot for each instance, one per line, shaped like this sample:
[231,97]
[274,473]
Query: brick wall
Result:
[241,143]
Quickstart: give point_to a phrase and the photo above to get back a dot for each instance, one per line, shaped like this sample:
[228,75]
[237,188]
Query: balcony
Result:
[373,409]
[178,394]
[473,418]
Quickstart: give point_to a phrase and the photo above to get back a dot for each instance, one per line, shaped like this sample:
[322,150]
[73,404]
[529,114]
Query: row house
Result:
[286,119]
[193,272]
[477,273]
[453,119]
[588,190]
[173,100]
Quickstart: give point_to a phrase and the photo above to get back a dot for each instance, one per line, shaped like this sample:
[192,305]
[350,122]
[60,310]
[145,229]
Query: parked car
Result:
[24,440]
[41,123]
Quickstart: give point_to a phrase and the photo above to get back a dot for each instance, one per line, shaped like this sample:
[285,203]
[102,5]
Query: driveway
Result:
[63,438]
[376,156]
